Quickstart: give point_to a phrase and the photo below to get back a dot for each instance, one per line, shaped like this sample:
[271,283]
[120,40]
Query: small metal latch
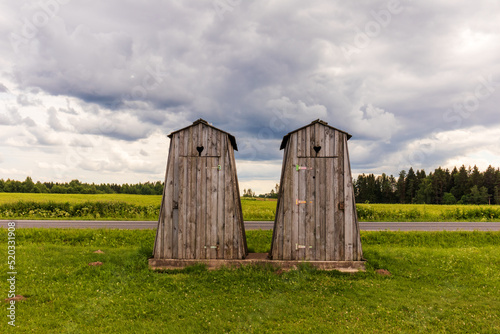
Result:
[297,246]
[218,167]
[298,167]
[297,202]
[213,247]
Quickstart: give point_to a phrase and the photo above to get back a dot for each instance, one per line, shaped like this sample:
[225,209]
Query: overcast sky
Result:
[90,89]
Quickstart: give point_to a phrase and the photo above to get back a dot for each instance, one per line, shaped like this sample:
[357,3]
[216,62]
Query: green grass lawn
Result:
[441,282]
[146,207]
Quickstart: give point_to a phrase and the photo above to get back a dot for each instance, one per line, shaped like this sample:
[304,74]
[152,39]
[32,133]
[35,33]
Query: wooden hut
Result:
[200,215]
[316,217]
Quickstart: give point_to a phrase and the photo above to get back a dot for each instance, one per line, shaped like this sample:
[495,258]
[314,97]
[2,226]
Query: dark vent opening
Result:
[317,149]
[199,149]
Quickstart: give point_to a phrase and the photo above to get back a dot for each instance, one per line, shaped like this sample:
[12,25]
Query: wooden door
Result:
[317,194]
[198,202]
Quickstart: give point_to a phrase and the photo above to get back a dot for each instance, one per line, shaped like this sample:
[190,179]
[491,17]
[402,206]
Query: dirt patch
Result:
[97,263]
[16,298]
[383,272]
[99,251]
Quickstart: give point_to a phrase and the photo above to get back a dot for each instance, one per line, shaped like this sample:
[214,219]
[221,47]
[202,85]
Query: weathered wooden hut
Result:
[200,215]
[316,217]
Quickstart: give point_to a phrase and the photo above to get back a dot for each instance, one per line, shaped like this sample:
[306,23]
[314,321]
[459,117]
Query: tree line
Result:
[458,186]
[77,187]
[272,194]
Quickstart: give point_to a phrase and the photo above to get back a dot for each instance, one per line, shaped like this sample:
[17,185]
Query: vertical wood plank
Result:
[309,142]
[321,136]
[302,176]
[207,212]
[316,192]
[277,239]
[193,209]
[170,196]
[190,199]
[212,207]
[295,211]
[190,237]
[157,253]
[221,225]
[329,209]
[316,141]
[185,196]
[330,191]
[239,228]
[339,248]
[205,222]
[202,244]
[290,203]
[310,209]
[166,215]
[298,134]
[180,196]
[322,193]
[349,210]
[213,190]
[331,142]
[228,208]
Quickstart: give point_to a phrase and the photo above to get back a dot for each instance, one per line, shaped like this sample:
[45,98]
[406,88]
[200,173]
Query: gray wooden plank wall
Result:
[310,224]
[200,215]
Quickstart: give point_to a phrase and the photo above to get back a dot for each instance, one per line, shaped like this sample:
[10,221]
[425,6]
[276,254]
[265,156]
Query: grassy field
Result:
[144,207]
[110,207]
[440,282]
[427,213]
[143,200]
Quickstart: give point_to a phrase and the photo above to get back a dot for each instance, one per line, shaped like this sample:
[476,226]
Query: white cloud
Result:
[374,123]
[54,121]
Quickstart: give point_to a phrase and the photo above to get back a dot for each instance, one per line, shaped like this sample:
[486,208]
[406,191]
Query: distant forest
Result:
[460,186]
[77,187]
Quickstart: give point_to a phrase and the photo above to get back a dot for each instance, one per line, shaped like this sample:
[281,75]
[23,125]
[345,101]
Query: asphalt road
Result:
[264,225]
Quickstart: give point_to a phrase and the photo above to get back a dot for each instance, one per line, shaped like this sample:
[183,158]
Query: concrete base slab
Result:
[258,259]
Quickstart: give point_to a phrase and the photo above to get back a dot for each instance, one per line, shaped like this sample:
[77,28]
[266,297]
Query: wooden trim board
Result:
[257,259]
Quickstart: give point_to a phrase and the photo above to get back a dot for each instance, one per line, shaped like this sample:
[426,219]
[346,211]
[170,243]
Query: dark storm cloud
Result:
[119,126]
[25,101]
[389,73]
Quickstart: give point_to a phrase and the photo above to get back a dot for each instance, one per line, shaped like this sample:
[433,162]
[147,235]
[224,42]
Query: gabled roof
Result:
[287,136]
[202,121]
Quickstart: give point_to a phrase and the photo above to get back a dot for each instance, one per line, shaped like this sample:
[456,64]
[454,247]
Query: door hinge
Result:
[297,246]
[298,167]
